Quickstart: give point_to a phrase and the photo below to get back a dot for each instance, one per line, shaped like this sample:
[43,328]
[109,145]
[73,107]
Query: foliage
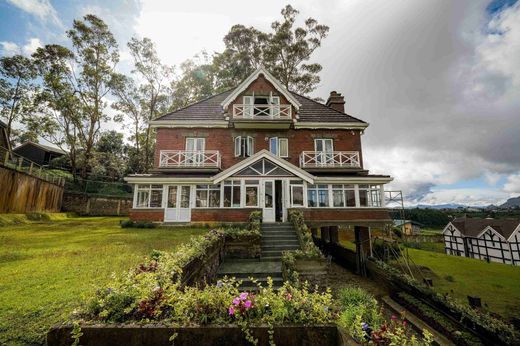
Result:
[137,224]
[255,221]
[398,333]
[384,250]
[16,91]
[47,266]
[428,217]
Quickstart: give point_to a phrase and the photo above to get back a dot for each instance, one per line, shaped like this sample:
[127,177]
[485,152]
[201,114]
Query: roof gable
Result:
[264,154]
[254,76]
[476,227]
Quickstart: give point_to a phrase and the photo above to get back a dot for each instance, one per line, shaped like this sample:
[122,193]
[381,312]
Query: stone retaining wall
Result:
[85,204]
[201,271]
[248,246]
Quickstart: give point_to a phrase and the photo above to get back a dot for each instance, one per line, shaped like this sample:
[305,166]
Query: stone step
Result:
[277,228]
[242,276]
[295,246]
[271,253]
[270,258]
[277,282]
[292,233]
[279,237]
[279,242]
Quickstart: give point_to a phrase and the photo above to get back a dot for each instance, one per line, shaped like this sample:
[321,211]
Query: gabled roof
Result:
[264,154]
[210,109]
[42,147]
[475,227]
[254,76]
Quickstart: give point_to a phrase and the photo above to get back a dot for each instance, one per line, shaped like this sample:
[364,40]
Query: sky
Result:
[438,80]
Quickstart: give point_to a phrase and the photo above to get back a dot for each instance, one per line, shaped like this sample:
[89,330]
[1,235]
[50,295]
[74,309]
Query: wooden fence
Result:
[21,192]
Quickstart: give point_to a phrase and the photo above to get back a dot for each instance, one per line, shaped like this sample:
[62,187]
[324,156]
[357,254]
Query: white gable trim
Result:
[243,86]
[516,231]
[445,230]
[264,154]
[331,125]
[492,230]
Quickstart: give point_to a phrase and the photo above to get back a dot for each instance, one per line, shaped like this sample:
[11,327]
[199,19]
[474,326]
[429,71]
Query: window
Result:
[251,193]
[207,196]
[343,195]
[195,150]
[268,194]
[232,194]
[261,106]
[324,150]
[318,196]
[369,195]
[149,196]
[244,146]
[279,146]
[296,193]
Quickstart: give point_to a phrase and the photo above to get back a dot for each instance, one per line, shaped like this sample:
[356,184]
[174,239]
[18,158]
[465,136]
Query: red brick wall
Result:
[146,215]
[222,140]
[322,214]
[221,215]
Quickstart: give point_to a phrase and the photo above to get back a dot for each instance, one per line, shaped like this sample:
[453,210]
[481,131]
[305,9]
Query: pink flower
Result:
[405,323]
[394,317]
[236,301]
[243,296]
[247,304]
[289,296]
[231,311]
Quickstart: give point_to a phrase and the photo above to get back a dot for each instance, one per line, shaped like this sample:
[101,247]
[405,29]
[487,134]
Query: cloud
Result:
[512,185]
[9,48]
[42,9]
[31,46]
[472,197]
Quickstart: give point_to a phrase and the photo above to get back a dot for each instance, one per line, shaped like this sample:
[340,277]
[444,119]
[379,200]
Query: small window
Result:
[244,146]
[232,194]
[207,196]
[251,187]
[279,146]
[297,195]
[149,196]
[318,196]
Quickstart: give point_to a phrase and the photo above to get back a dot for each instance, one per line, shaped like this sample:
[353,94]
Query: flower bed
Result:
[244,242]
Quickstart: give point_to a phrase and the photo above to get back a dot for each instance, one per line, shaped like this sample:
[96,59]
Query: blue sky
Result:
[438,80]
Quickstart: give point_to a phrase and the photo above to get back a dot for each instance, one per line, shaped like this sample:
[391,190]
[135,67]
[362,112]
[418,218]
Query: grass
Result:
[428,246]
[46,268]
[495,283]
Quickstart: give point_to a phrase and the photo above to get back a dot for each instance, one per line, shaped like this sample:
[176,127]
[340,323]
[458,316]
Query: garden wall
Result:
[203,270]
[243,246]
[134,335]
[24,193]
[85,204]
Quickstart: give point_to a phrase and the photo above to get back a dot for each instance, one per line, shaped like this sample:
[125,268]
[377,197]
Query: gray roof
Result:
[473,227]
[43,147]
[210,109]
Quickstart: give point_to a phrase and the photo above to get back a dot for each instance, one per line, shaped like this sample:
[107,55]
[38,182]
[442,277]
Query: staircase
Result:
[276,238]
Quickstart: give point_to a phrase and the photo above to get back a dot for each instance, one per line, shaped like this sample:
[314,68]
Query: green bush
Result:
[137,224]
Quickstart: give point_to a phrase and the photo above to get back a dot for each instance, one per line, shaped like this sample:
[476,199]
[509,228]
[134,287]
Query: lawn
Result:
[46,268]
[497,284]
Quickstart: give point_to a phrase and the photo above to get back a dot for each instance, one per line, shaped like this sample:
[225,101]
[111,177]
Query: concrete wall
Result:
[24,193]
[84,204]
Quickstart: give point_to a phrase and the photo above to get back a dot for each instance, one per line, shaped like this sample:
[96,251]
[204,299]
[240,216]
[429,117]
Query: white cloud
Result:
[472,197]
[31,46]
[512,185]
[9,48]
[42,9]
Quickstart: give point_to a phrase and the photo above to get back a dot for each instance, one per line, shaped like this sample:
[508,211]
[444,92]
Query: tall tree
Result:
[16,90]
[95,55]
[145,101]
[60,115]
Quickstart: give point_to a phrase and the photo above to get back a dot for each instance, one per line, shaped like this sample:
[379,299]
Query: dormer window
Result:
[261,106]
[244,146]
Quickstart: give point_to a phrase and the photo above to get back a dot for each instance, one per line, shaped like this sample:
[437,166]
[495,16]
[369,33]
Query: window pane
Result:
[297,195]
[350,196]
[312,199]
[227,196]
[172,197]
[185,196]
[214,198]
[251,196]
[363,198]
[236,196]
[156,199]
[337,196]
[323,196]
[201,199]
[268,194]
[273,145]
[142,198]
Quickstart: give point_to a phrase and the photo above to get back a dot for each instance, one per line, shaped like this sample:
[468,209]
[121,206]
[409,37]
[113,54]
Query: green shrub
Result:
[137,224]
[127,224]
[37,217]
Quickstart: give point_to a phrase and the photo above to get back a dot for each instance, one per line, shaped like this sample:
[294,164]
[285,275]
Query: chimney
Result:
[336,101]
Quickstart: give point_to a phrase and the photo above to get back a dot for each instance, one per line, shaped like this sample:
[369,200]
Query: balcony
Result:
[189,160]
[334,160]
[262,116]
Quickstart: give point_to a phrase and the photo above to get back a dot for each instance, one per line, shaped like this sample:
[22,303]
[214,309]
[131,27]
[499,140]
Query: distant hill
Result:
[511,203]
[443,206]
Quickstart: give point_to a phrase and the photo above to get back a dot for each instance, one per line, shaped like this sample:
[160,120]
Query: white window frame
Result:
[197,141]
[249,146]
[323,141]
[148,188]
[245,185]
[231,184]
[248,102]
[291,186]
[208,188]
[278,140]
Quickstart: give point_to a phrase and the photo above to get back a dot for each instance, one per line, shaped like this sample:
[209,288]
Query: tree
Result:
[109,158]
[16,90]
[95,55]
[144,102]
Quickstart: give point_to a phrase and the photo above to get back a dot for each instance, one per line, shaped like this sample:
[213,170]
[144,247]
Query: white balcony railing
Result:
[332,159]
[270,112]
[189,159]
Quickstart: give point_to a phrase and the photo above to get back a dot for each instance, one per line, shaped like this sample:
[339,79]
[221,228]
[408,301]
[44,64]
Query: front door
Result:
[268,201]
[177,204]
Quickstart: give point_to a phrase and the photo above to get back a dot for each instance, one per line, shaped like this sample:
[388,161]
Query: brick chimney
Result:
[336,101]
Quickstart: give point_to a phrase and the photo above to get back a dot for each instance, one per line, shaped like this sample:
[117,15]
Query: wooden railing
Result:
[241,111]
[17,162]
[189,159]
[332,159]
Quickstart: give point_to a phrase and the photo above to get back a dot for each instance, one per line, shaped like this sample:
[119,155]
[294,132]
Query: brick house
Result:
[260,147]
